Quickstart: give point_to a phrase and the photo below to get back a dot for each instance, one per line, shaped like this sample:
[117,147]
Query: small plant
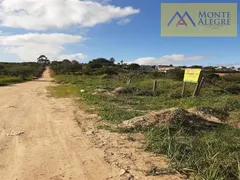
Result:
[130,138]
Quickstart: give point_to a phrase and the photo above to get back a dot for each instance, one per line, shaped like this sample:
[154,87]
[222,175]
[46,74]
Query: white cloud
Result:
[101,1]
[146,61]
[180,58]
[168,59]
[77,56]
[29,46]
[45,14]
[124,21]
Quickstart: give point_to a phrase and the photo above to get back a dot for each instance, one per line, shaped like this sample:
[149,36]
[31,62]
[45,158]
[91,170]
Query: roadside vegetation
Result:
[11,73]
[121,92]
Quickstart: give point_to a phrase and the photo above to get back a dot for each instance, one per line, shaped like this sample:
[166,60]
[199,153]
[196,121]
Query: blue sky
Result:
[136,40]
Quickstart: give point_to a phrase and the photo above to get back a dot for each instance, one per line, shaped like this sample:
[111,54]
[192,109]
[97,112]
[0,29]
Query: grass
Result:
[7,80]
[208,155]
[107,108]
[201,154]
[167,95]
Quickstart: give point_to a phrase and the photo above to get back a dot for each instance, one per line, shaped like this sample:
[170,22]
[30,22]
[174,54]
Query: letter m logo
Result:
[181,19]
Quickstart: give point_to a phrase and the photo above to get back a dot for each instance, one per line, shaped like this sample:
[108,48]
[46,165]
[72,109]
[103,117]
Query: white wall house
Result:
[164,68]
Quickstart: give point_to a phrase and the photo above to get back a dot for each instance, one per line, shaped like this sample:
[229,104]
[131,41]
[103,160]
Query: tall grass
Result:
[207,154]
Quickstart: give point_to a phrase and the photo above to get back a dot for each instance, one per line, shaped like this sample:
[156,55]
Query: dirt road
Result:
[52,146]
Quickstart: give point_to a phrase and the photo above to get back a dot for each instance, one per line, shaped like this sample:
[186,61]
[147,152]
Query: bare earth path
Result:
[52,146]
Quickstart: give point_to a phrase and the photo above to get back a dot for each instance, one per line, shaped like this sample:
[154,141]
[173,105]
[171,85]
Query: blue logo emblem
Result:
[181,19]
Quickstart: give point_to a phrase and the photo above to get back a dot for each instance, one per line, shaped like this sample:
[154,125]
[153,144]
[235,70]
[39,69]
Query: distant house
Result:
[162,68]
[222,68]
[219,68]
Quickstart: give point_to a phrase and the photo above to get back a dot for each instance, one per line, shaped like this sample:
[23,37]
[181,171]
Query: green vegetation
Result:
[207,153]
[204,154]
[138,95]
[18,72]
[6,80]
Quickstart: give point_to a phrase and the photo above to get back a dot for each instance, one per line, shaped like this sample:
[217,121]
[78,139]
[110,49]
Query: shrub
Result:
[23,70]
[176,74]
[157,74]
[233,89]
[108,71]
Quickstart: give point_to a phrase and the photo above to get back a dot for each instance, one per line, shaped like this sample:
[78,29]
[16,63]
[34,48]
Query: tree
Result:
[209,68]
[134,66]
[121,62]
[55,63]
[112,60]
[196,66]
[75,62]
[1,67]
[66,61]
[95,65]
[100,62]
[43,60]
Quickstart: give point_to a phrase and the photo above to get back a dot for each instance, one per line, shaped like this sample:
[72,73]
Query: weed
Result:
[211,154]
[130,138]
[105,127]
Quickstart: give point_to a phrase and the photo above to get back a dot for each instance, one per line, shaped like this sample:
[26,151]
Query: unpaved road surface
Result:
[53,145]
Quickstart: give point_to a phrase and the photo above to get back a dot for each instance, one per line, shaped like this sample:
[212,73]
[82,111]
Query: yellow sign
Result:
[192,75]
[199,19]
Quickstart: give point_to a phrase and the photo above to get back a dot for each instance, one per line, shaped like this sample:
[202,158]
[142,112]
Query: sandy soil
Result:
[55,144]
[52,146]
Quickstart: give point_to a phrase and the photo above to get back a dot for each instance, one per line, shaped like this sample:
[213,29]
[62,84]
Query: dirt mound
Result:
[132,90]
[128,90]
[174,116]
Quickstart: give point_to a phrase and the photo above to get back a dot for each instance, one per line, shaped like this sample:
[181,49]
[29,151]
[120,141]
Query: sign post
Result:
[191,76]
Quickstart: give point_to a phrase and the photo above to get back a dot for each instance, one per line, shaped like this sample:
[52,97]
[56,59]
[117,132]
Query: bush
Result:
[134,66]
[234,89]
[108,71]
[6,80]
[157,74]
[176,74]
[24,71]
[66,67]
[210,76]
